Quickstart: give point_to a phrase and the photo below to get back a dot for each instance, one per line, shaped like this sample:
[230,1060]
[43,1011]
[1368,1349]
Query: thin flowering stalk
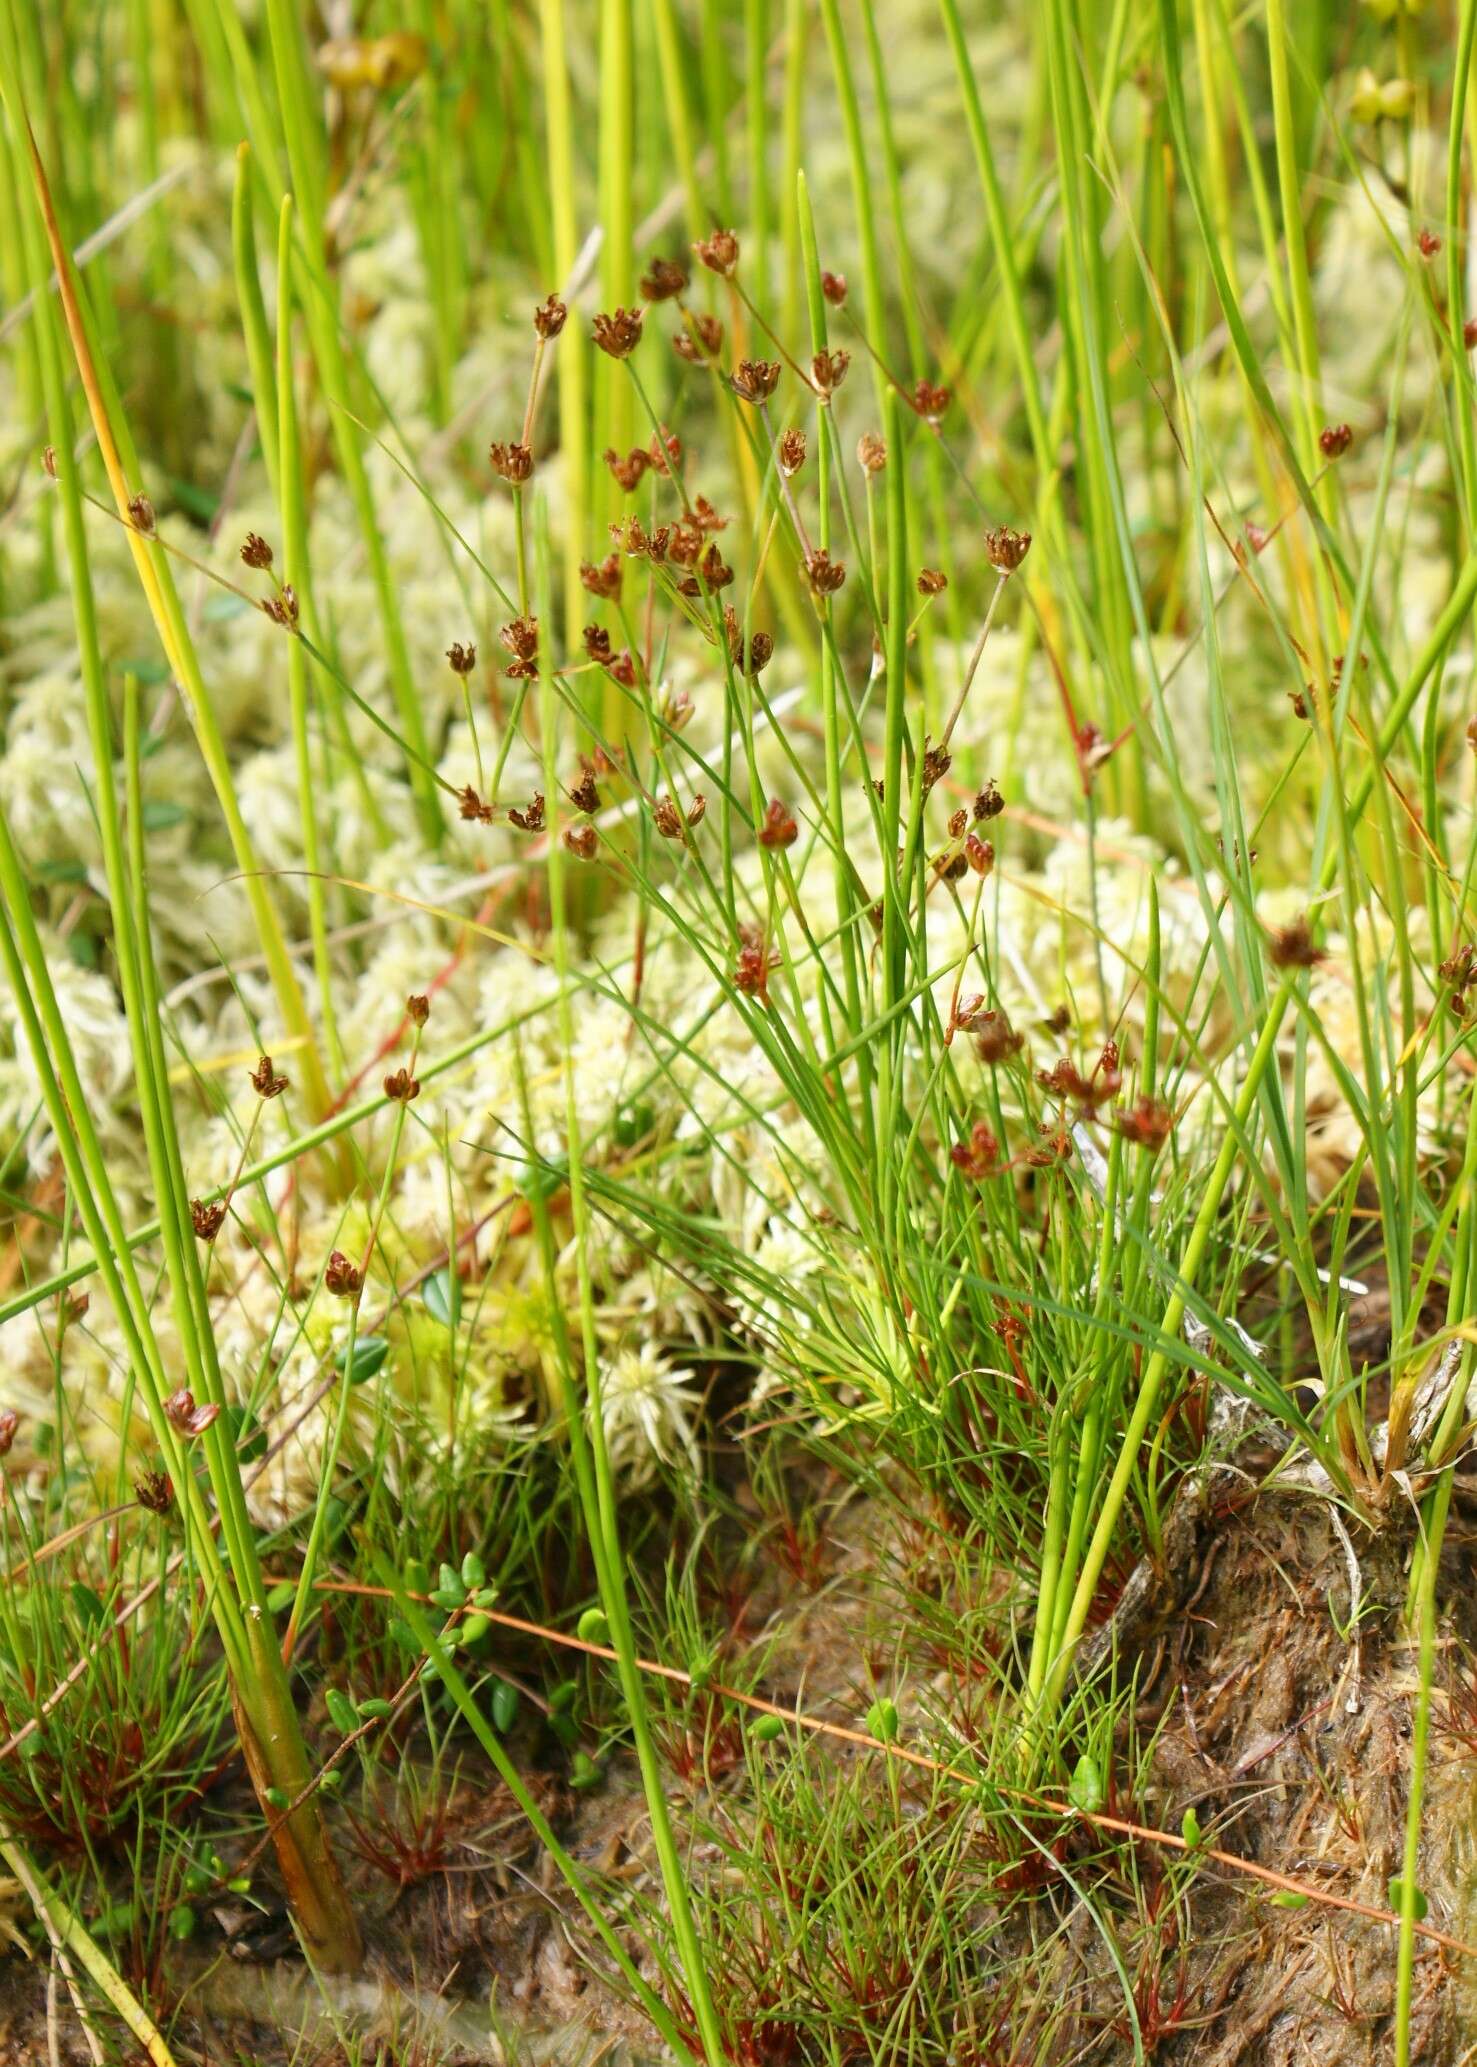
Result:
[972,668]
[294,571]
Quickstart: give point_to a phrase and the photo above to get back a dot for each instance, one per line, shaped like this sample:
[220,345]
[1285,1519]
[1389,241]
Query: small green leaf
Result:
[1190,1830]
[370,1352]
[1286,1899]
[159,814]
[1419,1907]
[374,1709]
[504,1704]
[275,1798]
[442,1295]
[539,1182]
[199,1880]
[199,503]
[583,1771]
[882,1721]
[474,1572]
[417,1576]
[562,1698]
[475,1630]
[88,1605]
[1086,1790]
[765,1728]
[181,1922]
[341,1711]
[148,673]
[592,1627]
[333,1779]
[449,1592]
[281,1596]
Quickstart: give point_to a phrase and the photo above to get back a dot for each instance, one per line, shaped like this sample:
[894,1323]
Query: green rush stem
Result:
[320,307]
[294,571]
[1456,254]
[1452,617]
[571,351]
[574,1879]
[588,1449]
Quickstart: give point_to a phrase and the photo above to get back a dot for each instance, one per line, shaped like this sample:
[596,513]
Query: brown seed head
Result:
[663,279]
[342,1277]
[604,578]
[988,803]
[513,462]
[665,453]
[976,1158]
[930,402]
[932,581]
[154,1490]
[751,970]
[582,840]
[703,342]
[10,1421]
[1148,1124]
[181,1412]
[792,452]
[824,574]
[719,253]
[667,818]
[755,380]
[995,1039]
[871,453]
[400,1085]
[1006,549]
[833,287]
[597,643]
[207,1220]
[778,828]
[520,638]
[1335,440]
[531,820]
[265,1081]
[618,333]
[627,472]
[937,761]
[417,1008]
[980,854]
[675,707]
[282,608]
[697,810]
[472,807]
[828,370]
[255,551]
[550,317]
[1469,332]
[141,515]
[585,796]
[1293,947]
[706,517]
[1428,243]
[461,659]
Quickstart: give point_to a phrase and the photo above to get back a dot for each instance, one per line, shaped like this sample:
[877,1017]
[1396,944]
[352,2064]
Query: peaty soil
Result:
[1260,1701]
